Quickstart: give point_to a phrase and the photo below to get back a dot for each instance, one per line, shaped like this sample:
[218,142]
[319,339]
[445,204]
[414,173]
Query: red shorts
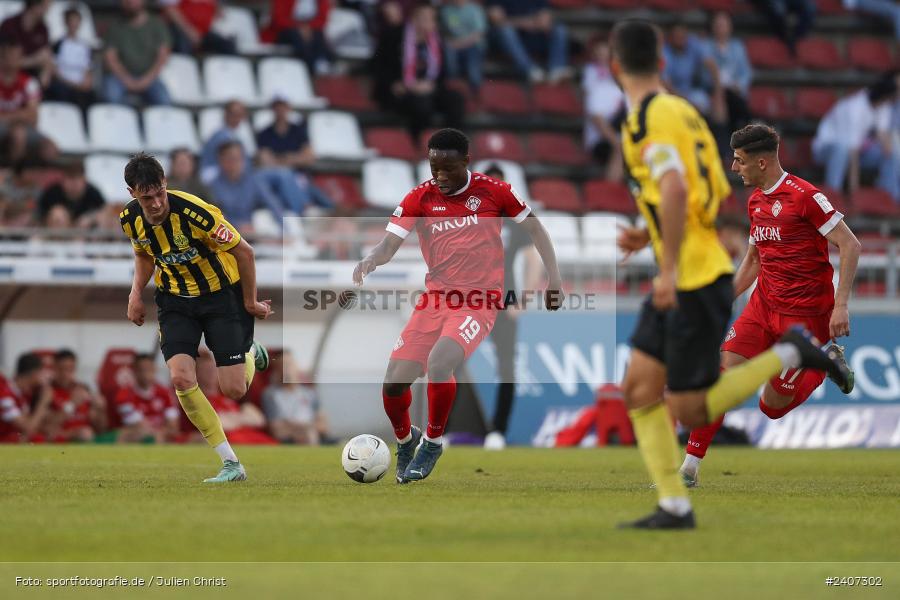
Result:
[466,325]
[757,330]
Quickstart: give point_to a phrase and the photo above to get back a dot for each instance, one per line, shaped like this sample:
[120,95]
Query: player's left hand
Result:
[664,297]
[261,309]
[554,296]
[840,322]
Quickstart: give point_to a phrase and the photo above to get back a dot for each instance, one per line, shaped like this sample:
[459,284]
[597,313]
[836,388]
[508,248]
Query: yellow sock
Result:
[249,368]
[659,449]
[734,385]
[202,415]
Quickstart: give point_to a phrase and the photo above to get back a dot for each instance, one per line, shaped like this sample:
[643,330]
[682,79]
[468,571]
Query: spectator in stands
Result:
[77,413]
[409,77]
[27,29]
[690,71]
[291,405]
[191,27]
[233,129]
[182,174]
[791,20]
[735,72]
[24,401]
[73,202]
[300,24]
[857,132]
[889,9]
[72,78]
[465,26]
[20,94]
[147,409]
[19,191]
[137,49]
[604,106]
[525,29]
[238,192]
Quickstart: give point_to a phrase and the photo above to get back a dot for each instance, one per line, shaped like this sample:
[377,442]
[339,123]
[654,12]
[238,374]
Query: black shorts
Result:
[687,339]
[220,317]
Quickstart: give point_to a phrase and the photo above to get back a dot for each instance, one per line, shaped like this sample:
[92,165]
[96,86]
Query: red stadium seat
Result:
[769,103]
[874,202]
[869,288]
[394,143]
[557,100]
[557,194]
[617,4]
[609,196]
[557,148]
[667,5]
[870,54]
[569,4]
[819,53]
[797,153]
[730,6]
[343,189]
[733,206]
[769,53]
[504,97]
[814,102]
[344,93]
[500,144]
[829,7]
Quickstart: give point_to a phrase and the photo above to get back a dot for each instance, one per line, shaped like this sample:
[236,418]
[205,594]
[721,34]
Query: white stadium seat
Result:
[423,171]
[563,230]
[239,24]
[512,172]
[599,232]
[107,173]
[169,127]
[181,75]
[386,181]
[8,8]
[335,134]
[55,21]
[288,78]
[229,78]
[212,120]
[62,123]
[114,128]
[348,35]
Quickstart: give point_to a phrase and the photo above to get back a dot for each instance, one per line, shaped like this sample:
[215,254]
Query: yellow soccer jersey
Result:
[189,247]
[665,132]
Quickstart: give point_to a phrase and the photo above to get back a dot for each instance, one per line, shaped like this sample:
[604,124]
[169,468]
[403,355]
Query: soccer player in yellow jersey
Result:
[678,182]
[205,286]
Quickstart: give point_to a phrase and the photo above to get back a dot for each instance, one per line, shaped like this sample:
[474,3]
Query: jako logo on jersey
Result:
[763,234]
[223,235]
[454,224]
[438,208]
[776,208]
[473,203]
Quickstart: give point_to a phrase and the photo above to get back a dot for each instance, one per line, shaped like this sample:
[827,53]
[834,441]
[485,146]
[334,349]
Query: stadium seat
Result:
[829,7]
[228,78]
[56,25]
[874,202]
[870,289]
[557,100]
[608,196]
[730,6]
[819,54]
[769,103]
[557,194]
[797,153]
[347,34]
[106,172]
[569,4]
[343,189]
[513,173]
[616,4]
[8,8]
[239,23]
[62,123]
[599,231]
[666,5]
[768,53]
[344,93]
[114,128]
[288,78]
[502,144]
[504,97]
[116,372]
[394,143]
[181,75]
[563,230]
[212,119]
[423,171]
[557,148]
[814,102]
[170,127]
[871,54]
[336,134]
[386,181]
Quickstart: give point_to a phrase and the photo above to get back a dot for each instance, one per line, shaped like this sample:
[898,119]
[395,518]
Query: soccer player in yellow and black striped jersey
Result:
[678,182]
[205,286]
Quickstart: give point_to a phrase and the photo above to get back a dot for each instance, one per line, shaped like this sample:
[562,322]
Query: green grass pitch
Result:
[531,523]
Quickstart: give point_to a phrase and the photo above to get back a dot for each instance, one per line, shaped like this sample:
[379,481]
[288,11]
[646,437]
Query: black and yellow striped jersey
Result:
[666,132]
[190,248]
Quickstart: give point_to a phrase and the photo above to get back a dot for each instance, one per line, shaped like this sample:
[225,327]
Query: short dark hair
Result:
[70,11]
[144,356]
[494,168]
[449,139]
[143,172]
[73,168]
[28,363]
[755,138]
[636,45]
[63,354]
[9,43]
[228,146]
[884,87]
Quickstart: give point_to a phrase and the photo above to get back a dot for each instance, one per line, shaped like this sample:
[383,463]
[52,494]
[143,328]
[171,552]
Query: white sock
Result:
[676,505]
[225,452]
[437,440]
[691,463]
[406,439]
[789,355]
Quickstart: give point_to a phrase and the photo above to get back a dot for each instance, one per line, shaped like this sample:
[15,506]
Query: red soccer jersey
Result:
[459,234]
[788,225]
[156,405]
[77,413]
[18,93]
[12,406]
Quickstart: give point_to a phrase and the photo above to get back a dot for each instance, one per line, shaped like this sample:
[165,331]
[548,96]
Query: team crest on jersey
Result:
[731,334]
[398,344]
[776,208]
[181,241]
[473,203]
[222,234]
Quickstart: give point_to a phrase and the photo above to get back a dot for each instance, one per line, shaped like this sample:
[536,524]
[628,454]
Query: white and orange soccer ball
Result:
[366,458]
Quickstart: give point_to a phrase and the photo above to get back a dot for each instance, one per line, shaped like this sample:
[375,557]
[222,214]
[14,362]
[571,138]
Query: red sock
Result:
[397,409]
[807,384]
[702,437]
[440,401]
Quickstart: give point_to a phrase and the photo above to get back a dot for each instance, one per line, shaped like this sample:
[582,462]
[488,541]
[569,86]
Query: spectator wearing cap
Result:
[27,29]
[137,49]
[72,78]
[73,202]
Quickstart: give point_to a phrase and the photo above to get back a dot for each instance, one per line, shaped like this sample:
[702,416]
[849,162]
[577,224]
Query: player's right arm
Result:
[143,271]
[29,424]
[380,255]
[402,222]
[673,213]
[747,272]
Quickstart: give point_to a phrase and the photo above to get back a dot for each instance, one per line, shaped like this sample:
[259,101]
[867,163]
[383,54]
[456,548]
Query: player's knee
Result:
[690,410]
[234,389]
[440,370]
[183,380]
[394,389]
[634,393]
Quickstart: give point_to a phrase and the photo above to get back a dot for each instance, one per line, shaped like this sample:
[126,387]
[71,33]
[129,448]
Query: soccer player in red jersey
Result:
[18,422]
[457,216]
[791,223]
[147,408]
[77,413]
